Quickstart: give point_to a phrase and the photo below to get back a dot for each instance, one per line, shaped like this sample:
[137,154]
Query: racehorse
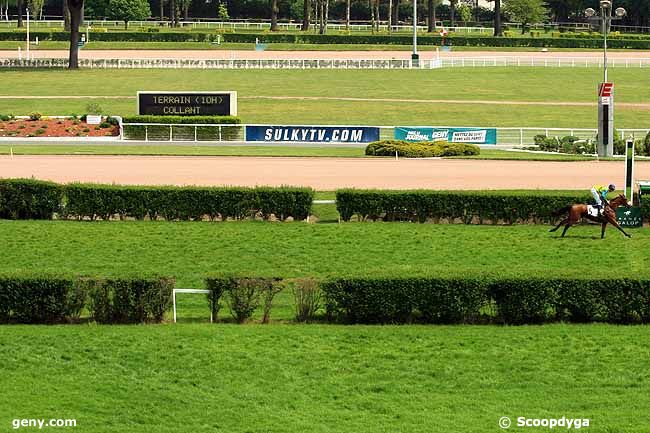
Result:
[578,211]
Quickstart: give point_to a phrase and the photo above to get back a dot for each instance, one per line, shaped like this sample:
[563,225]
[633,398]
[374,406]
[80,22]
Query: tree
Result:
[35,8]
[274,15]
[76,8]
[306,15]
[431,15]
[452,10]
[498,30]
[525,12]
[222,12]
[19,7]
[128,10]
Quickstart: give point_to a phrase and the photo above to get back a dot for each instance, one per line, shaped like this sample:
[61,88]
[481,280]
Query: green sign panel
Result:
[629,217]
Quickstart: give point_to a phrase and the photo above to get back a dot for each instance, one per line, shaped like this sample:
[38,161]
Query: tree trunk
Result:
[396,13]
[162,10]
[321,29]
[66,16]
[372,15]
[452,9]
[76,8]
[497,18]
[390,16]
[186,11]
[377,14]
[347,15]
[274,15]
[19,7]
[172,13]
[431,24]
[306,12]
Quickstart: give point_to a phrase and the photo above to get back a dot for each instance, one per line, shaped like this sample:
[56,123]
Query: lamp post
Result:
[415,57]
[606,89]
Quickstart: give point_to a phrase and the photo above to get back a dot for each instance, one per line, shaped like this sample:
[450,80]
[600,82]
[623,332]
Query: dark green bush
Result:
[468,206]
[39,299]
[92,201]
[467,299]
[218,285]
[130,300]
[568,144]
[421,149]
[245,294]
[29,199]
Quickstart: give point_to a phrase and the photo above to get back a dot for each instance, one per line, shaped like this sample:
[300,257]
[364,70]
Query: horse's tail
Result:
[562,211]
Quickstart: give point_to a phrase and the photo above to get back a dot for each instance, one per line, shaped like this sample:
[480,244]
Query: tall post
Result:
[27,50]
[605,94]
[415,57]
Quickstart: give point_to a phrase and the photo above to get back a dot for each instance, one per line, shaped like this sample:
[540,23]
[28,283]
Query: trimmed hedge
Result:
[576,41]
[94,201]
[29,199]
[469,300]
[39,299]
[228,132]
[182,119]
[420,149]
[130,300]
[468,206]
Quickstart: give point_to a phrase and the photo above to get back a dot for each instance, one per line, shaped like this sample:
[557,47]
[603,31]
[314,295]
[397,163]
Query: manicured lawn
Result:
[318,378]
[523,84]
[108,149]
[191,250]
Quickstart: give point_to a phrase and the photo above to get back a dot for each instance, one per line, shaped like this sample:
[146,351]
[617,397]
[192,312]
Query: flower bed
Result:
[54,127]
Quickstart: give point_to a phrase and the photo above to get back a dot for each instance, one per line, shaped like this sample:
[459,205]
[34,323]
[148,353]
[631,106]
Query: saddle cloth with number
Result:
[592,210]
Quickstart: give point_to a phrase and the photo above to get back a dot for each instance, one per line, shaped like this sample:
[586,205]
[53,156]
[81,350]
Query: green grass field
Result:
[280,151]
[397,88]
[315,378]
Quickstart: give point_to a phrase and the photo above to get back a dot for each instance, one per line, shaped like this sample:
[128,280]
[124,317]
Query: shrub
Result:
[94,108]
[218,285]
[5,118]
[269,289]
[244,297]
[40,131]
[568,144]
[104,125]
[463,299]
[131,299]
[29,199]
[35,116]
[39,299]
[467,206]
[421,149]
[307,298]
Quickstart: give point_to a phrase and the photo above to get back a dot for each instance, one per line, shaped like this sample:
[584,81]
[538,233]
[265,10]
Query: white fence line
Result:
[507,136]
[464,62]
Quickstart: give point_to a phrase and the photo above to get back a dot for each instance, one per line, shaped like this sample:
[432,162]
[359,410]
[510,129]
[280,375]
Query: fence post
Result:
[521,136]
[171,134]
[146,133]
[195,133]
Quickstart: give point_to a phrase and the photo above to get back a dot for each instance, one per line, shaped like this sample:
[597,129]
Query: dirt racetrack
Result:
[320,173]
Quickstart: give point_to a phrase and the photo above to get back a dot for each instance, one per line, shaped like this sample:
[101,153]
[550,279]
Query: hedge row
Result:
[30,199]
[472,300]
[54,299]
[299,38]
[205,120]
[468,206]
[420,149]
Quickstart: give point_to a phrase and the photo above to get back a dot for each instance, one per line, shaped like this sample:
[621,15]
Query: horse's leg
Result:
[564,221]
[602,231]
[566,227]
[616,224]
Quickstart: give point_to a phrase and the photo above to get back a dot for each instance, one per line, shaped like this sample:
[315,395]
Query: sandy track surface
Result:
[319,173]
[315,55]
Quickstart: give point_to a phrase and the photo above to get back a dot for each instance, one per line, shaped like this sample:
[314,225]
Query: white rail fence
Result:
[464,62]
[224,133]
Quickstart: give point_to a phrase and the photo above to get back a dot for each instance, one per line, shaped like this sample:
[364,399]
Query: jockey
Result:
[599,192]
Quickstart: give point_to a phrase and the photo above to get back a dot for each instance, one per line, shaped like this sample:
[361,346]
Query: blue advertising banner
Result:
[450,135]
[312,134]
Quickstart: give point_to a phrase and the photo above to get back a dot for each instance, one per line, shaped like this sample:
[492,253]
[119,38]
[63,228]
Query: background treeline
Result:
[454,12]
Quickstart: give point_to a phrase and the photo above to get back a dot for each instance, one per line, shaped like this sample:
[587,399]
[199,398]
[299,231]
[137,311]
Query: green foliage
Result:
[92,201]
[94,108]
[420,149]
[189,120]
[35,116]
[463,300]
[39,299]
[222,12]
[568,144]
[244,296]
[307,297]
[467,206]
[130,300]
[525,11]
[218,285]
[29,199]
[128,10]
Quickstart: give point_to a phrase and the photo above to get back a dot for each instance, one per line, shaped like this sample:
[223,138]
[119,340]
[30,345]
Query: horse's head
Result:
[620,200]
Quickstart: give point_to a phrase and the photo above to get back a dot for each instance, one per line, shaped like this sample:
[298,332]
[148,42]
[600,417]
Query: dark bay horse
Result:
[578,211]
